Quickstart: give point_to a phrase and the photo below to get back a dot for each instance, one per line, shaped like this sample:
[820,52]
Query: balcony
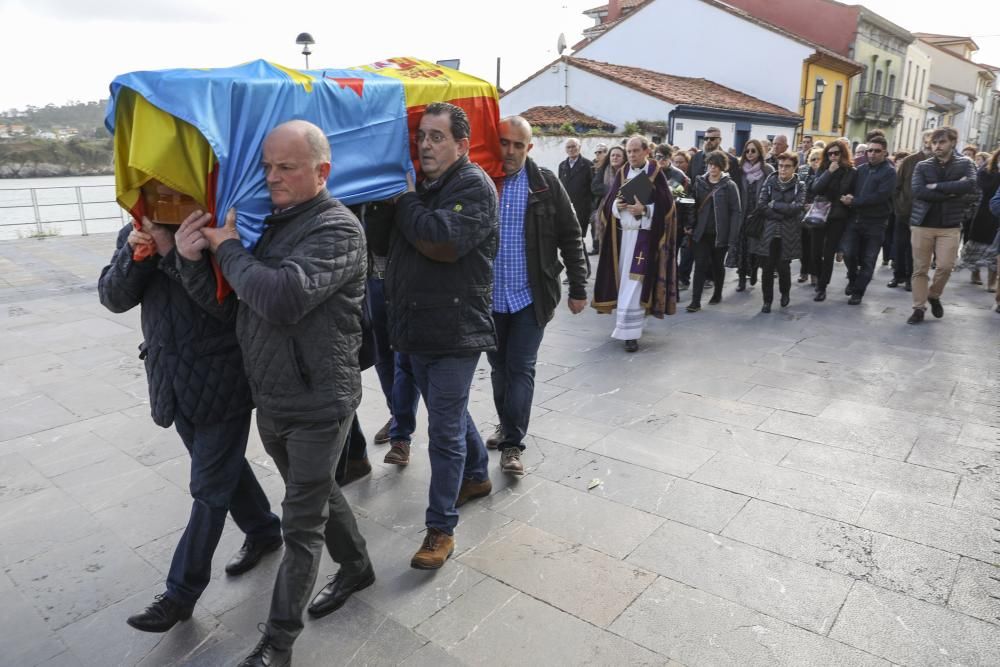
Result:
[878,108]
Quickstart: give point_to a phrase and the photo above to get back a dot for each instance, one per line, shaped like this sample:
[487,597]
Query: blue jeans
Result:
[394,374]
[862,243]
[221,481]
[405,398]
[513,374]
[456,450]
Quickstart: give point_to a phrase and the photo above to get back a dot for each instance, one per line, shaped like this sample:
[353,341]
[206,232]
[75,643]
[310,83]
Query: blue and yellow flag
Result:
[201,131]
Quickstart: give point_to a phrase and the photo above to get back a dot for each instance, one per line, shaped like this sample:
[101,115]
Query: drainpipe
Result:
[670,127]
[565,84]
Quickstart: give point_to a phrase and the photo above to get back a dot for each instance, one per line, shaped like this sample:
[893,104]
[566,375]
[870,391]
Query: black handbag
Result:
[754,224]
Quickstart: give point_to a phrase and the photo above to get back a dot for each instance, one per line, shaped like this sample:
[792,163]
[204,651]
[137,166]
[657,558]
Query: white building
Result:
[618,95]
[916,81]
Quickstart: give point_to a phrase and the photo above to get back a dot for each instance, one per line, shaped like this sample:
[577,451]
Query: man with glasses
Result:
[675,176]
[713,140]
[943,188]
[439,286]
[870,205]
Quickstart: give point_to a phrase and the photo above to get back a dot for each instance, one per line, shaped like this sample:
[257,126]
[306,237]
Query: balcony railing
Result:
[877,107]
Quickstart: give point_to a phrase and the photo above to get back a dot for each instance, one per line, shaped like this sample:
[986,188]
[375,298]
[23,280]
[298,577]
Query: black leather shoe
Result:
[854,300]
[849,290]
[160,616]
[742,285]
[766,308]
[631,345]
[937,310]
[338,591]
[250,554]
[893,283]
[266,654]
[820,295]
[908,287]
[716,298]
[785,300]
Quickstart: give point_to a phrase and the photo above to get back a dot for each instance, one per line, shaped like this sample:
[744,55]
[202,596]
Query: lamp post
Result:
[820,87]
[305,39]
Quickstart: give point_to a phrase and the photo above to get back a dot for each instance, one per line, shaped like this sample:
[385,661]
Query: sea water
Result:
[58,206]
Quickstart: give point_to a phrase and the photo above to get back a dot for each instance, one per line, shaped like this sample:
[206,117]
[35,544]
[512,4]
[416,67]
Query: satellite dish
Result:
[561,43]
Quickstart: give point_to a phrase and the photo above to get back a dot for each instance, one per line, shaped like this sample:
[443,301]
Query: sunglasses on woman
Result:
[833,153]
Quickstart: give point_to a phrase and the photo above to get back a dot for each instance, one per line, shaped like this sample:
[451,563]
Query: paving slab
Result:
[805,595]
[697,628]
[908,567]
[912,632]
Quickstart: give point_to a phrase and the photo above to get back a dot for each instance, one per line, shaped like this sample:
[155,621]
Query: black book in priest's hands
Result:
[638,187]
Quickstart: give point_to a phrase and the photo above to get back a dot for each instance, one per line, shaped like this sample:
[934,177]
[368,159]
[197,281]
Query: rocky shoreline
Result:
[45,169]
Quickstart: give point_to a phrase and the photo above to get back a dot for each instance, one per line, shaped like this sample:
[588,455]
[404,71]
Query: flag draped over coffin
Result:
[200,131]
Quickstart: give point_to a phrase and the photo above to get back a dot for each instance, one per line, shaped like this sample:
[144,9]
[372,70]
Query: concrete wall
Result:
[549,151]
[773,73]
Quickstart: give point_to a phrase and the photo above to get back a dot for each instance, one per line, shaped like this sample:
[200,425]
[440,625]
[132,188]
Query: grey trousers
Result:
[314,511]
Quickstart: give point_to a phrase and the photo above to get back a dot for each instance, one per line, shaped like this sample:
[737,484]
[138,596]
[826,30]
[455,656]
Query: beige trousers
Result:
[942,245]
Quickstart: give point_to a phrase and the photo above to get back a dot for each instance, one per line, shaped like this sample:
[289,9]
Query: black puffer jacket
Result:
[439,280]
[783,205]
[956,189]
[193,362]
[299,320]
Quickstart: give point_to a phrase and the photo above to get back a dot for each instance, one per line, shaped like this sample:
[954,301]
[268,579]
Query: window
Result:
[877,88]
[863,82]
[817,103]
[922,93]
[892,85]
[838,95]
[909,71]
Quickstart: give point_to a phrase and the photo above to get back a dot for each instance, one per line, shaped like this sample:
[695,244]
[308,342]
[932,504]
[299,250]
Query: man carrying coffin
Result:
[637,271]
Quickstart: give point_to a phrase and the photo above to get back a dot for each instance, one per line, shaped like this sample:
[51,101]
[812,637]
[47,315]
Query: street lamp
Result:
[305,39]
[820,87]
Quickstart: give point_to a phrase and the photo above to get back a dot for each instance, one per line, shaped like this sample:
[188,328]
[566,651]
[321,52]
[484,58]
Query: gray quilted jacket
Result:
[299,320]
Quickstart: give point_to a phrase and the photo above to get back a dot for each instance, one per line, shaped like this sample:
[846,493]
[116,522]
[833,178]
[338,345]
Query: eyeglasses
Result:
[751,151]
[713,138]
[833,152]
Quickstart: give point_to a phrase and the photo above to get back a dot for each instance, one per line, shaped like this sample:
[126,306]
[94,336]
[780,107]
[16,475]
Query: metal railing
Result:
[40,209]
[870,105]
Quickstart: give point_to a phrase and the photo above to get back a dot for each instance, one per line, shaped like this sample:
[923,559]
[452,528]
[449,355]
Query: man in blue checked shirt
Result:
[537,225]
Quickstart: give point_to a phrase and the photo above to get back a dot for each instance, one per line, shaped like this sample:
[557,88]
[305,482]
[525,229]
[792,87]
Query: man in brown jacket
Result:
[902,199]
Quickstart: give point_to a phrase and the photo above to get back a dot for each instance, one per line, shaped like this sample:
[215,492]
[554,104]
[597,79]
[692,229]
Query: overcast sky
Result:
[59,50]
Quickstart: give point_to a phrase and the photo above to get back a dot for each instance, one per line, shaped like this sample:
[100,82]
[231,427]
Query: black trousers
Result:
[314,512]
[773,263]
[708,261]
[825,243]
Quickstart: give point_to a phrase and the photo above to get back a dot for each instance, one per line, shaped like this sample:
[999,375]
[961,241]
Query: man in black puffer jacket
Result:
[299,325]
[196,383]
[439,285]
[944,186]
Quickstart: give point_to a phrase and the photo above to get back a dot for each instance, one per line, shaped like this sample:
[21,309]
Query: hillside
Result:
[86,117]
[27,158]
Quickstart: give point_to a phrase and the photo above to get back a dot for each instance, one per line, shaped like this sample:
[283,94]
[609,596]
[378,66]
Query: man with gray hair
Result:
[576,174]
[299,325]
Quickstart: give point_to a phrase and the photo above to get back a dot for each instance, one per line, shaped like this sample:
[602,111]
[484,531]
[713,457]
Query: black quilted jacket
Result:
[193,361]
[439,280]
[299,321]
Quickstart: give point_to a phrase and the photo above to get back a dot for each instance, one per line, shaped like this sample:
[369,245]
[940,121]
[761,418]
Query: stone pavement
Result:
[817,486]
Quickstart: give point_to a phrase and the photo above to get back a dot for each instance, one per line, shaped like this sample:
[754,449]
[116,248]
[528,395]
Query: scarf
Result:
[753,172]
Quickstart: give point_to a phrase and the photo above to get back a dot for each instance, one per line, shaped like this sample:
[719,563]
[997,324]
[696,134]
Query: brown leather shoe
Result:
[493,442]
[382,436]
[435,550]
[510,461]
[471,489]
[399,454]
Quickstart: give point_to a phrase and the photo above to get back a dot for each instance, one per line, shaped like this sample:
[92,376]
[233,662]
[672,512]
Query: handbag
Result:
[817,214]
[754,224]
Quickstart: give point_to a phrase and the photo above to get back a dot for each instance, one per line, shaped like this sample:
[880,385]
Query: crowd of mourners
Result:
[457,265]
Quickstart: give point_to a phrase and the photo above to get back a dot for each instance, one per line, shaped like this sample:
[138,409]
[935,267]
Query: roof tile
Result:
[562,114]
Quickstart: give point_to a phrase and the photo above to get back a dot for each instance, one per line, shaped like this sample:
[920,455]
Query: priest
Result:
[637,270]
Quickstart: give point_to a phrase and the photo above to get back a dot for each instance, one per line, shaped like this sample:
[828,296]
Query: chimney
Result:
[614,11]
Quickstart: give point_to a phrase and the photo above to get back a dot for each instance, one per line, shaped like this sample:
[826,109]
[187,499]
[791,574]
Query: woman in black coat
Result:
[978,251]
[835,179]
[782,199]
[715,227]
[755,172]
